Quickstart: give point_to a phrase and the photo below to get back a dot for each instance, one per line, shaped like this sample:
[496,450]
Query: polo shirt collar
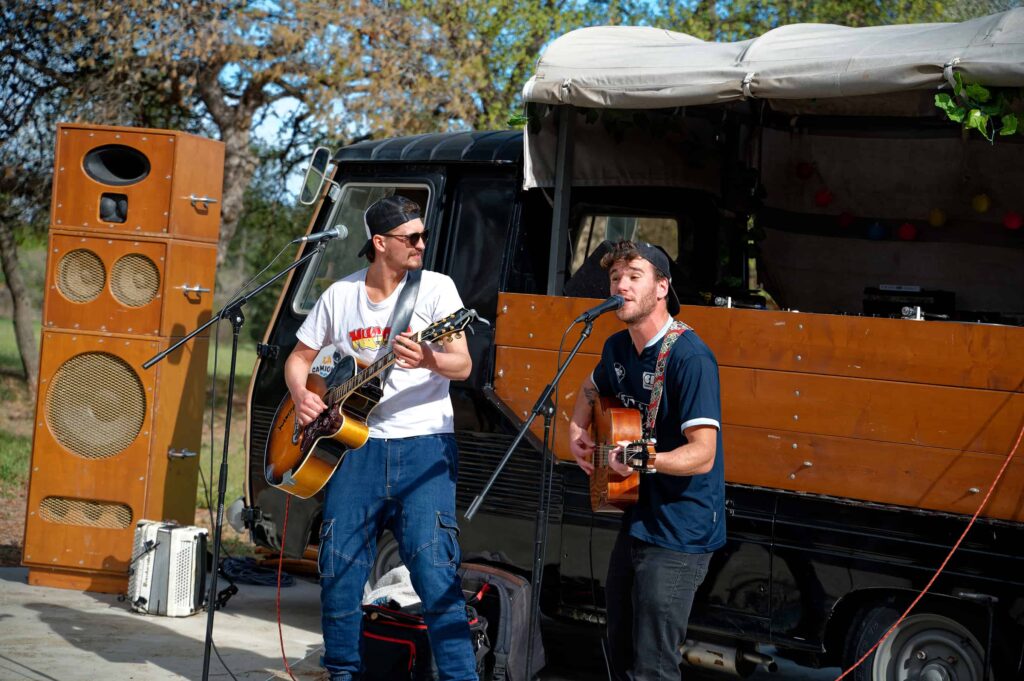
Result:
[661,334]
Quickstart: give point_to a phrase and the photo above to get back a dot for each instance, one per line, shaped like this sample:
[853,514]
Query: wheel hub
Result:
[929,647]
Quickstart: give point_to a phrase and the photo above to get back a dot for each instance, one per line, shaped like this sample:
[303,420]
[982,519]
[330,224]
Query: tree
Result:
[449,64]
[733,20]
[32,78]
[215,67]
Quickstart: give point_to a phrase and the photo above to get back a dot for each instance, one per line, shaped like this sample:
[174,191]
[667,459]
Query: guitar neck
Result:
[339,392]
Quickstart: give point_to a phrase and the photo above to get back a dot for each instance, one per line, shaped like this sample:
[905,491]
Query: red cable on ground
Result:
[280,564]
[942,567]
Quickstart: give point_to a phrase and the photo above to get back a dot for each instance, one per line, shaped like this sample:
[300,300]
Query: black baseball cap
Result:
[657,256]
[384,215]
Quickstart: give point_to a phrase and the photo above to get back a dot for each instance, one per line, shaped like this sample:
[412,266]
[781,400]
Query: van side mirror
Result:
[316,175]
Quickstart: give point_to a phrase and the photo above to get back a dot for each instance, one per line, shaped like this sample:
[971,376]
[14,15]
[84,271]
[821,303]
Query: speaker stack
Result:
[135,218]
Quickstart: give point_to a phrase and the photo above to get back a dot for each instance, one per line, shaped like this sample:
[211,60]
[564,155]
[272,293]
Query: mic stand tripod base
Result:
[233,313]
[545,407]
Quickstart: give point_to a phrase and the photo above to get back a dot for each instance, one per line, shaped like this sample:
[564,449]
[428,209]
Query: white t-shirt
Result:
[415,401]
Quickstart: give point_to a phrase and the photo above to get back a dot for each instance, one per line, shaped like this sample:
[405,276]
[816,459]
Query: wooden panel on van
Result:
[521,375]
[885,423]
[961,419]
[985,356]
[908,475]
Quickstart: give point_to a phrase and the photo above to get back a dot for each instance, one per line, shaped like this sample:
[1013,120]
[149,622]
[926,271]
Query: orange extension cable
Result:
[280,564]
[942,567]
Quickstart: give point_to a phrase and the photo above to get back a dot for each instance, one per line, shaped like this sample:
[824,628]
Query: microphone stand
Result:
[544,406]
[232,311]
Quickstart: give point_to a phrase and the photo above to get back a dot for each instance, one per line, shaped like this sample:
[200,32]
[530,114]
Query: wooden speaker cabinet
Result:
[137,181]
[132,256]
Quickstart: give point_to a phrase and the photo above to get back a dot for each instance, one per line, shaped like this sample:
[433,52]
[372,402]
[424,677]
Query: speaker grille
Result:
[86,513]
[96,405]
[80,276]
[134,280]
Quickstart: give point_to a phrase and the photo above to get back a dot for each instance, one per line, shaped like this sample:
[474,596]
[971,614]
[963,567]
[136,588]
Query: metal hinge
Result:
[267,351]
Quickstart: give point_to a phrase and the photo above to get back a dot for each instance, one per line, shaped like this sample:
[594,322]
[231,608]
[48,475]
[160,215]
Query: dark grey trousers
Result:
[649,593]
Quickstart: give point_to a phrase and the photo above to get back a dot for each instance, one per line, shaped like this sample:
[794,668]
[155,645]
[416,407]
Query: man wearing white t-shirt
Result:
[404,476]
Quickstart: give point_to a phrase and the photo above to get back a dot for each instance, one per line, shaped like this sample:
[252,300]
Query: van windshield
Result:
[341,258]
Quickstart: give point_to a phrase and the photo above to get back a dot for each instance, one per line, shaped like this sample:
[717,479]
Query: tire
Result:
[387,557]
[926,646]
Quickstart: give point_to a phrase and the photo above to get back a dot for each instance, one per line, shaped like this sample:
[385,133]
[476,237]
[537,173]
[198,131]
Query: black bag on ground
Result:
[395,646]
[503,599]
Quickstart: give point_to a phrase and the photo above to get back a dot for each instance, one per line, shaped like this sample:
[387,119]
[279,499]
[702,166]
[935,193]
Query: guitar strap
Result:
[674,332]
[401,315]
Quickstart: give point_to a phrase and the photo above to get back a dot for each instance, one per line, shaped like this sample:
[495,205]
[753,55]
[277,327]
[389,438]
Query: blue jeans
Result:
[407,484]
[649,593]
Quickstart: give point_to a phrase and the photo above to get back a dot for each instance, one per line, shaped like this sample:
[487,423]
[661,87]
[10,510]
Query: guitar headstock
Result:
[448,329]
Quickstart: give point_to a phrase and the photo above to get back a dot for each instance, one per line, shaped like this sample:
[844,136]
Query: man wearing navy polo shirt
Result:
[665,544]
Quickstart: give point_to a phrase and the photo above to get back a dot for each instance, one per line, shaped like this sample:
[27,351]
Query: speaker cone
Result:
[134,280]
[80,276]
[96,405]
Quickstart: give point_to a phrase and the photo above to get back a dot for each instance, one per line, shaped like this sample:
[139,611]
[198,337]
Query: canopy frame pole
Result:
[564,119]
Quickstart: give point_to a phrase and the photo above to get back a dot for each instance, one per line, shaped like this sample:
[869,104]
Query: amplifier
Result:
[168,569]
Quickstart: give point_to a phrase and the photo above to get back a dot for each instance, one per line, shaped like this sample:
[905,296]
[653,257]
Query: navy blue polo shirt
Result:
[683,513]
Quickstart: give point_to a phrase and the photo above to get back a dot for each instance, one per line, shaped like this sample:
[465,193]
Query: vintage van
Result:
[853,258]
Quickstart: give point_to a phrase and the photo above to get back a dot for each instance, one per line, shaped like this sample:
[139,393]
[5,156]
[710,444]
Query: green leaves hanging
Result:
[989,111]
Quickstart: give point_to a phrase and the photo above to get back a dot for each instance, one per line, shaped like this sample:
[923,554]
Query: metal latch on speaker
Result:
[182,453]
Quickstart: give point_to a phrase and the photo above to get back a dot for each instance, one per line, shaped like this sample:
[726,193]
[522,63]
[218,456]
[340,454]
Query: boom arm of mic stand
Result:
[234,304]
[537,409]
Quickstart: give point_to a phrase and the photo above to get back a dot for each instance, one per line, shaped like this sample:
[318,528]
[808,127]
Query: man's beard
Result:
[645,305]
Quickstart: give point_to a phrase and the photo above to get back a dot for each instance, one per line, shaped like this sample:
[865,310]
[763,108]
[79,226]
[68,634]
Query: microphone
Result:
[332,233]
[613,303]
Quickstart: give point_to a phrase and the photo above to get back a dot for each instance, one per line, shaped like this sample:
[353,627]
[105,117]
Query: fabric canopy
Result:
[632,67]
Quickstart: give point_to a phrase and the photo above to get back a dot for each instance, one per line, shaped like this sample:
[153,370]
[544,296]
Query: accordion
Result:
[168,569]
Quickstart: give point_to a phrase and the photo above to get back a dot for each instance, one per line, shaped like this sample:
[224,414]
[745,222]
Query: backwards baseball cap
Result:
[657,256]
[384,215]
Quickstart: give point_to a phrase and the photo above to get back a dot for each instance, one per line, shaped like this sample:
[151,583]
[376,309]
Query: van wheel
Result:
[387,557]
[925,646]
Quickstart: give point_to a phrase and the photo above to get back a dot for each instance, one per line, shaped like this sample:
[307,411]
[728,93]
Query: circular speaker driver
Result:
[134,280]
[80,276]
[96,405]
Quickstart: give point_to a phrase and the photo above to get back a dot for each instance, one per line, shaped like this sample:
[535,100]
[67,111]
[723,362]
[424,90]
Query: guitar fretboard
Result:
[342,390]
[338,392]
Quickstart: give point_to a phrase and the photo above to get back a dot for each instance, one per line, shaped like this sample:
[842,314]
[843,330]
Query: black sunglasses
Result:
[410,239]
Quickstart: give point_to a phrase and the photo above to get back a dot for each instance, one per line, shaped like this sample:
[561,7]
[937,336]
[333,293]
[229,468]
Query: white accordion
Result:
[168,569]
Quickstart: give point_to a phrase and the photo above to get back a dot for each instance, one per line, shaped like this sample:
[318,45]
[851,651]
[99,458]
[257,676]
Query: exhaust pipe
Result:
[726,659]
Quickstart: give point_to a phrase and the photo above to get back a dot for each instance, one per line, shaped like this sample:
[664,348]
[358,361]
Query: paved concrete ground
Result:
[59,635]
[56,634]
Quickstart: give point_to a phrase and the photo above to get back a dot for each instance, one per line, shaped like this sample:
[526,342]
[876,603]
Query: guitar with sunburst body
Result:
[301,459]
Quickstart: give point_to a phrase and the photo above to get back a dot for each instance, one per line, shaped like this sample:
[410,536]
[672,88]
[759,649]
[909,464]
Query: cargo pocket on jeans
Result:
[325,553]
[446,541]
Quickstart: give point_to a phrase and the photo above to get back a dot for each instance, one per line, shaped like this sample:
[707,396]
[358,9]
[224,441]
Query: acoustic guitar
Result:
[300,460]
[609,491]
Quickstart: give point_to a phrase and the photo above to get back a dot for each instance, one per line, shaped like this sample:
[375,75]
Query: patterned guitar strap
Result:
[674,332]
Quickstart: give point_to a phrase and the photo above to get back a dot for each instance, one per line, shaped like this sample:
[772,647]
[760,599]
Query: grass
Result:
[10,359]
[14,458]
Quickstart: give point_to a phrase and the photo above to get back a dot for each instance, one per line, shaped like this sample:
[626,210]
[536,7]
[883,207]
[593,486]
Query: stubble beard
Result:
[645,305]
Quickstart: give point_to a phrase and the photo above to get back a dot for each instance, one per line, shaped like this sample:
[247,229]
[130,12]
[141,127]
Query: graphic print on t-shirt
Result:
[369,338]
[631,402]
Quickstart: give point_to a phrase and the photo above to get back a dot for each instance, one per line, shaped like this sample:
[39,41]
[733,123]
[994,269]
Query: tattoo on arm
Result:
[590,394]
